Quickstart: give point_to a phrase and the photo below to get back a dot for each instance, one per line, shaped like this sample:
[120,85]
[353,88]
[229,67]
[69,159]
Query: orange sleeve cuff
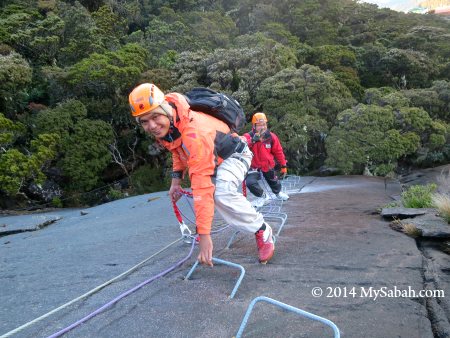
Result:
[204,209]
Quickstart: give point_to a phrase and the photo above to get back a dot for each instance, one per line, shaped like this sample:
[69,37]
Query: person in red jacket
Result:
[216,159]
[267,149]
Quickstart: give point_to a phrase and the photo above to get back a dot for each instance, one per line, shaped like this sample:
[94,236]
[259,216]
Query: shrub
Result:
[444,182]
[115,194]
[56,202]
[419,196]
[146,179]
[393,204]
[411,230]
[442,203]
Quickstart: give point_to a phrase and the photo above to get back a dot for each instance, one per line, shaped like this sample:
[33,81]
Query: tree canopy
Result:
[343,83]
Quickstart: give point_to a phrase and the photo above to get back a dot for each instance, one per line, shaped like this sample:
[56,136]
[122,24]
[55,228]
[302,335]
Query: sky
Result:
[398,5]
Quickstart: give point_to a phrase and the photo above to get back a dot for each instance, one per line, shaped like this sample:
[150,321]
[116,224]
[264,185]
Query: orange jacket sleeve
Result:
[201,164]
[177,163]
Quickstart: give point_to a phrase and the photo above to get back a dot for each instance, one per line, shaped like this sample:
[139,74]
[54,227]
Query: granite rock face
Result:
[333,240]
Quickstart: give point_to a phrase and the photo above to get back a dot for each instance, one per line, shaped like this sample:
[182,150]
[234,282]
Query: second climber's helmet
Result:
[259,117]
[145,98]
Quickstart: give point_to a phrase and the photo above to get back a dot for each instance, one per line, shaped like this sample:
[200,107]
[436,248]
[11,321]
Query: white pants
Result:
[235,209]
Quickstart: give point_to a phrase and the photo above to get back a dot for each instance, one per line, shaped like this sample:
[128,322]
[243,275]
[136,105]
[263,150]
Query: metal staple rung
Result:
[289,308]
[269,209]
[230,241]
[221,261]
[279,215]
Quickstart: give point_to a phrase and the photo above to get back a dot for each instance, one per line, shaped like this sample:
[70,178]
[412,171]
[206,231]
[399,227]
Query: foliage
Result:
[57,202]
[84,143]
[418,196]
[111,27]
[442,203]
[87,153]
[15,75]
[34,36]
[106,74]
[341,80]
[146,179]
[279,33]
[393,204]
[304,91]
[442,88]
[304,23]
[81,36]
[60,120]
[427,99]
[17,168]
[365,134]
[302,138]
[408,68]
[428,39]
[332,56]
[237,70]
[369,66]
[9,131]
[305,102]
[115,194]
[187,32]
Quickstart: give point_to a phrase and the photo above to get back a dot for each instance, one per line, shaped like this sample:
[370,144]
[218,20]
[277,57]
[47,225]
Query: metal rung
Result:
[289,308]
[268,208]
[221,261]
[279,215]
[291,178]
[270,215]
[230,241]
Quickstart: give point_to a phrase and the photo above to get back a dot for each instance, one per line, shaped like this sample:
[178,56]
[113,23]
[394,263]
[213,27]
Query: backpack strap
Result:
[177,118]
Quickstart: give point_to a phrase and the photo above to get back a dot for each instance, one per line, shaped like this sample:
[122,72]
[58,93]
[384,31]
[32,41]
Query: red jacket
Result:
[266,151]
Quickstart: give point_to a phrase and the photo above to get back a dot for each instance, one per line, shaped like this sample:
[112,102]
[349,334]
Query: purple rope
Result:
[115,300]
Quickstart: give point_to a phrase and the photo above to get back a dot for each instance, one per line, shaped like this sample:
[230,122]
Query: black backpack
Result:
[219,105]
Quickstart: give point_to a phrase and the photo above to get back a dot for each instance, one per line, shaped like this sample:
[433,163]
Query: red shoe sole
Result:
[268,259]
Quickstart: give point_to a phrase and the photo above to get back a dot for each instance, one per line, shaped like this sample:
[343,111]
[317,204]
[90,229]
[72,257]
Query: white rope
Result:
[20,328]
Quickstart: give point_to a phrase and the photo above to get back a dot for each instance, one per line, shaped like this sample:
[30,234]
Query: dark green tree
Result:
[305,102]
[83,152]
[21,165]
[35,36]
[87,154]
[341,61]
[103,75]
[304,91]
[15,76]
[408,69]
[365,136]
[81,36]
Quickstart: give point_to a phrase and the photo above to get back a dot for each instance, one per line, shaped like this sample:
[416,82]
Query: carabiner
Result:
[185,232]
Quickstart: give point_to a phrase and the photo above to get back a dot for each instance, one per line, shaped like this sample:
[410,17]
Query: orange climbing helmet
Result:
[144,98]
[259,117]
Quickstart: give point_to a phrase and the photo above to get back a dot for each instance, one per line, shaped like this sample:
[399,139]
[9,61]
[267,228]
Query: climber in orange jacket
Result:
[217,162]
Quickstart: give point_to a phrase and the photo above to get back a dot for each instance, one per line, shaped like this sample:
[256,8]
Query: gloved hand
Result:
[283,172]
[256,138]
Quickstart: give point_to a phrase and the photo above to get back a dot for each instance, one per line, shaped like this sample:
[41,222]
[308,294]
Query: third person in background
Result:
[267,150]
